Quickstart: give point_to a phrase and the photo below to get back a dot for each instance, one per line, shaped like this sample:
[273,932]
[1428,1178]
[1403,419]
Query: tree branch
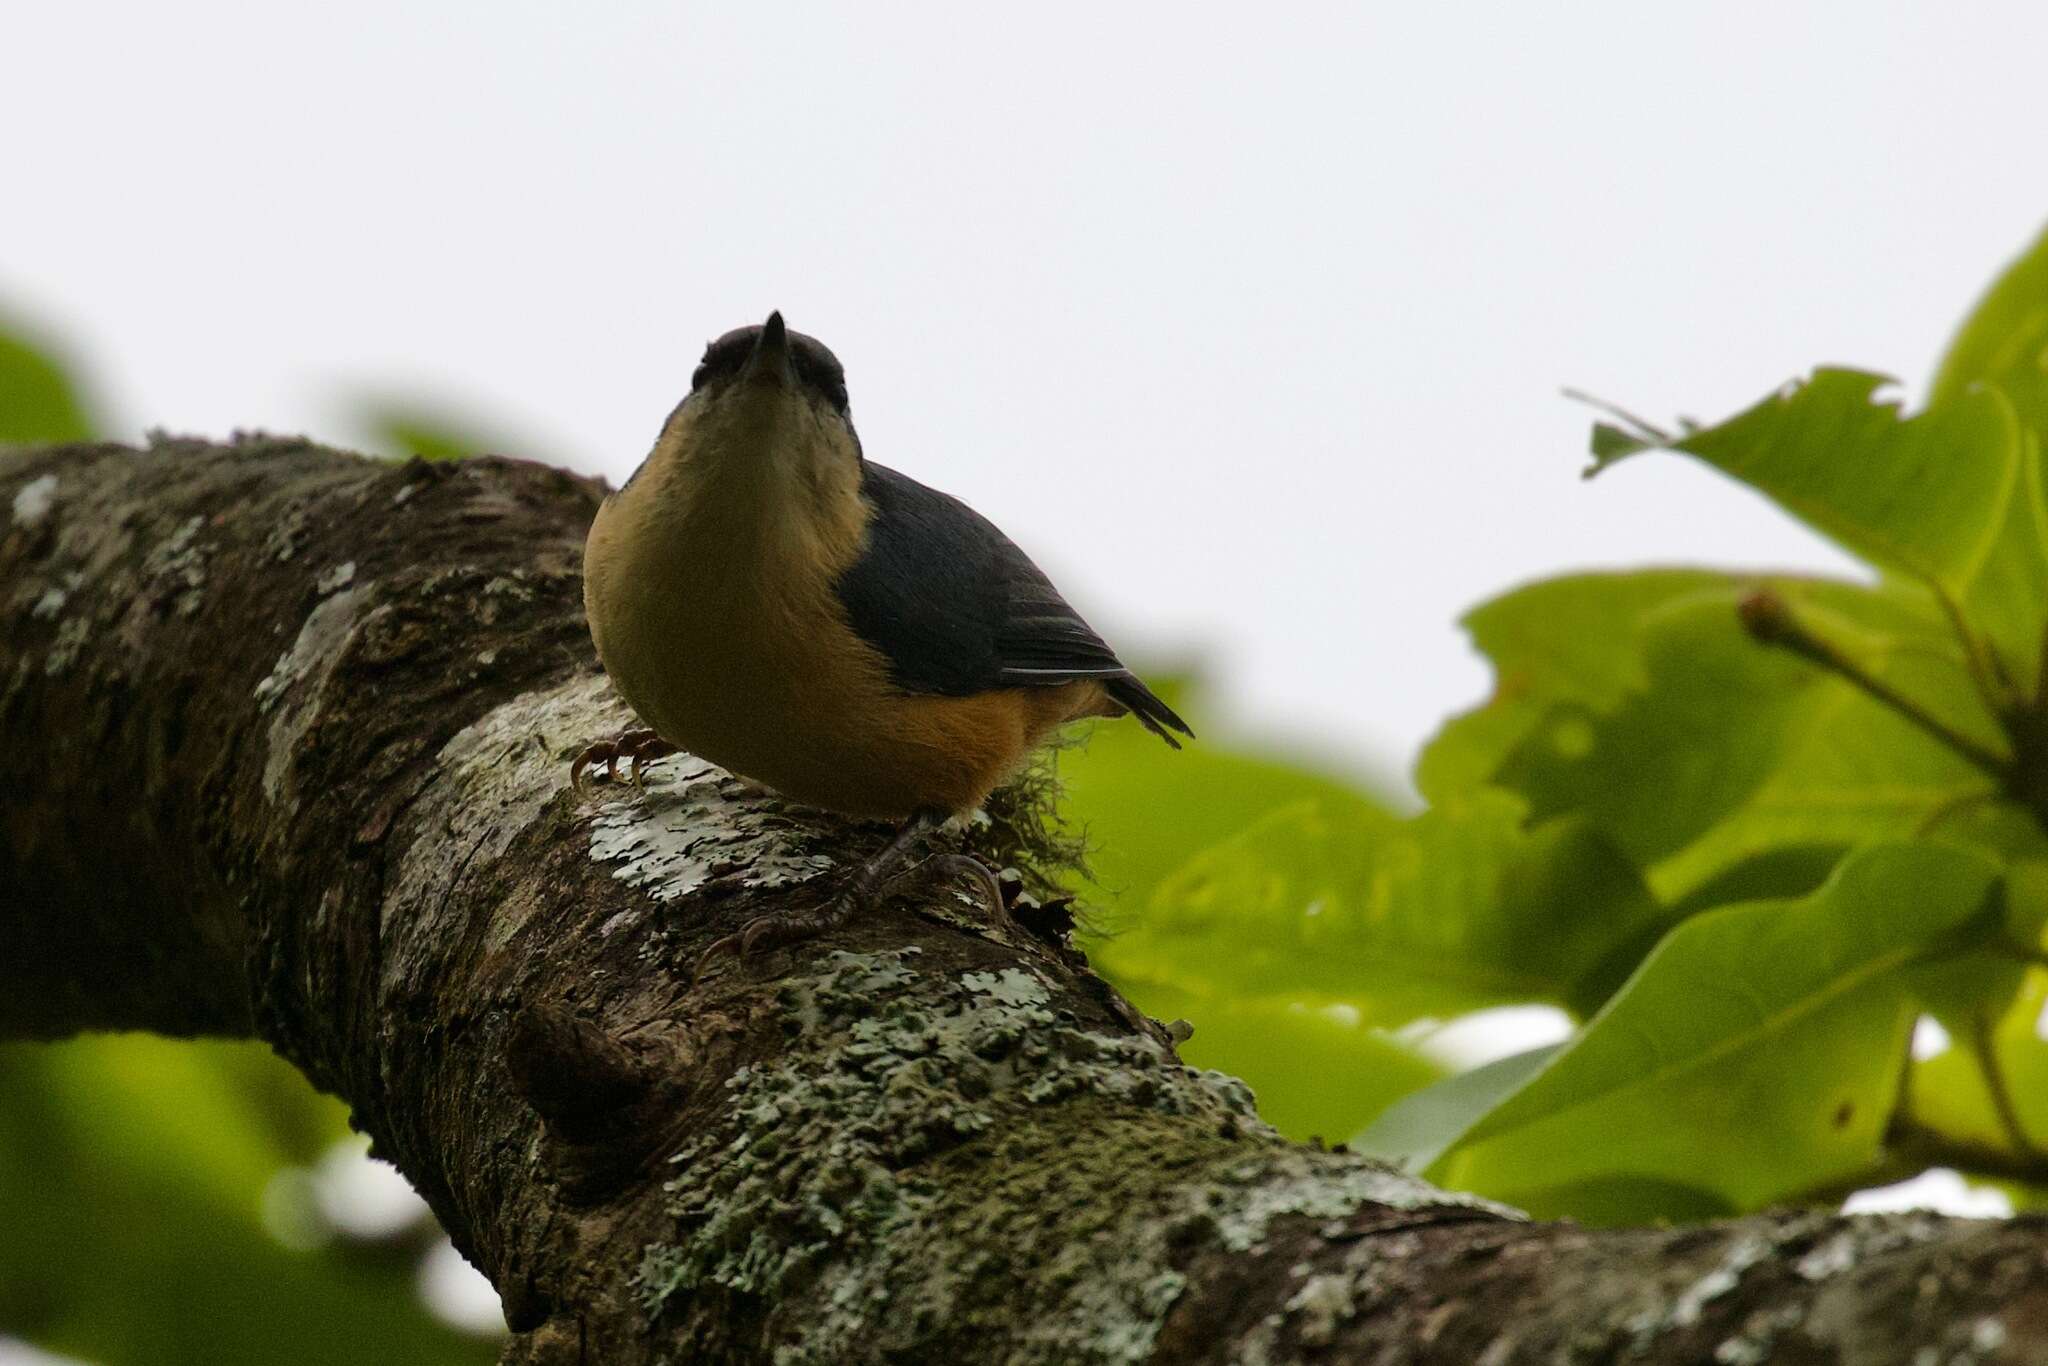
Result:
[284,739]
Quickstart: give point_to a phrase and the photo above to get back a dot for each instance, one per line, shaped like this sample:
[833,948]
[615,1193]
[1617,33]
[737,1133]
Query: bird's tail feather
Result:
[1153,714]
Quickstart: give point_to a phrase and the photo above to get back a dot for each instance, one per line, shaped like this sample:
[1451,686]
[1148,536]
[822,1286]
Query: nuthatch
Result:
[768,599]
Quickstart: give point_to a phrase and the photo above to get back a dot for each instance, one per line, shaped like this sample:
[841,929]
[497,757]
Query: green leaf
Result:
[2004,341]
[133,1174]
[1922,496]
[1951,497]
[1749,749]
[1756,1054]
[2004,345]
[1570,639]
[38,403]
[1611,443]
[1148,809]
[1704,732]
[1988,1091]
[1316,1068]
[405,427]
[1418,1129]
[1461,907]
[1951,1094]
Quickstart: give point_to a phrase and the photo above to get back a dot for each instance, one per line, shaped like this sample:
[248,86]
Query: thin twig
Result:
[1985,668]
[1769,619]
[1615,410]
[1984,1043]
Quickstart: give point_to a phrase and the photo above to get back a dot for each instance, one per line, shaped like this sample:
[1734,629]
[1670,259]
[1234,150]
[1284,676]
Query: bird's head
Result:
[767,375]
[767,406]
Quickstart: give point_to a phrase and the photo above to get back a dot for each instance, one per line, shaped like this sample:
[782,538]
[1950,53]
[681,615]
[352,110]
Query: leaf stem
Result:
[1987,670]
[2041,675]
[2020,953]
[1769,620]
[1912,1147]
[1933,820]
[1984,1043]
[1614,410]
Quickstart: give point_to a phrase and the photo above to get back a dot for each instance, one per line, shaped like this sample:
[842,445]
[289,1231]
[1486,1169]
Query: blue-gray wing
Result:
[958,609]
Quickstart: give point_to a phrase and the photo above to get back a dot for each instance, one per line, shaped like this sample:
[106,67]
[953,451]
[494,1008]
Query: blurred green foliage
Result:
[133,1180]
[405,427]
[39,400]
[1317,1065]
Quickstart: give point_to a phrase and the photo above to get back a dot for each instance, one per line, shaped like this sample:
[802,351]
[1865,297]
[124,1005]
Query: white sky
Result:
[1247,321]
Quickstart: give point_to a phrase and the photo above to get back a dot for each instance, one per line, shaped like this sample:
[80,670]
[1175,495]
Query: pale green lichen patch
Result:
[1299,1181]
[1011,986]
[72,636]
[1829,1258]
[336,578]
[692,821]
[1743,1253]
[498,775]
[49,604]
[922,1127]
[1324,1304]
[1826,1250]
[176,566]
[34,500]
[320,637]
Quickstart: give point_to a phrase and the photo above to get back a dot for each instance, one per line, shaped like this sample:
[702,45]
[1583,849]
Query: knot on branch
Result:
[583,1083]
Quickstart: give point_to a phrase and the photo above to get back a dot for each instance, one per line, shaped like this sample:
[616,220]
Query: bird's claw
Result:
[780,929]
[637,747]
[975,871]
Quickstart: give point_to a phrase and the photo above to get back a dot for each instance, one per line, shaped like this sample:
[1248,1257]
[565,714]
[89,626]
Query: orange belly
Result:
[824,734]
[915,753]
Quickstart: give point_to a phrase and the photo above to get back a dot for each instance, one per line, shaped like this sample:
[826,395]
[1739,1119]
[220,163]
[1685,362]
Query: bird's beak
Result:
[770,357]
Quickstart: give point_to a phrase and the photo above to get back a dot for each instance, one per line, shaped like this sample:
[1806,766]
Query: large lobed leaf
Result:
[1570,639]
[1461,907]
[1146,809]
[1951,497]
[1987,1092]
[2003,345]
[1923,496]
[1698,751]
[2004,341]
[1317,1068]
[1754,1056]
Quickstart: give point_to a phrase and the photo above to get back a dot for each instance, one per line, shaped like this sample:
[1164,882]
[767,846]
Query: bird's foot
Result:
[637,747]
[783,928]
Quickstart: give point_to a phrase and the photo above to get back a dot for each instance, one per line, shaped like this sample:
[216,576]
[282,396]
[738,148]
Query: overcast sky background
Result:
[1248,323]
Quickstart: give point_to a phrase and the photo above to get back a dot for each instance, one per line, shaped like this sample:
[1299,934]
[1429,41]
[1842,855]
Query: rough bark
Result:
[284,741]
